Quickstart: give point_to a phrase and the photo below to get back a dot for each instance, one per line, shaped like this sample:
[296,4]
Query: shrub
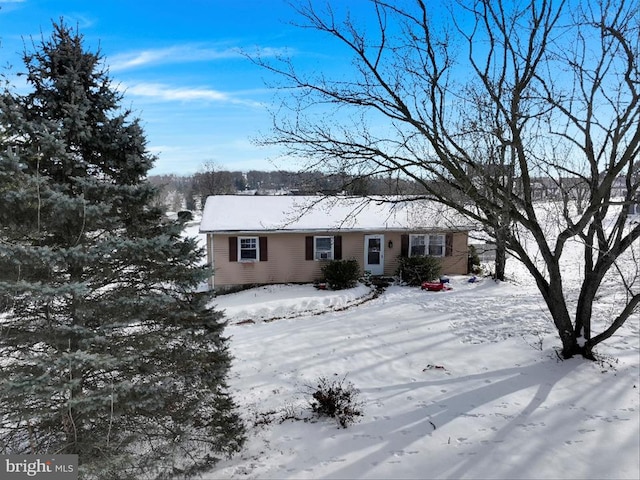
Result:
[185,215]
[415,270]
[336,399]
[341,274]
[473,265]
[6,303]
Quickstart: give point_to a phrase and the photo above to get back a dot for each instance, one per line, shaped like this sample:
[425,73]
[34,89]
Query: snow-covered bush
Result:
[336,399]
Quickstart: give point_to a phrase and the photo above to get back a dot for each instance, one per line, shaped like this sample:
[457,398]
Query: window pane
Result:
[417,245]
[323,243]
[436,245]
[417,240]
[373,251]
[249,248]
[248,254]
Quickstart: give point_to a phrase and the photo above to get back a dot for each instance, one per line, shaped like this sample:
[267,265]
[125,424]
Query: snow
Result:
[465,383]
[232,213]
[274,302]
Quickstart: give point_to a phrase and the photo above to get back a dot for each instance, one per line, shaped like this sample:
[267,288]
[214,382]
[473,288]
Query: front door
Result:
[374,254]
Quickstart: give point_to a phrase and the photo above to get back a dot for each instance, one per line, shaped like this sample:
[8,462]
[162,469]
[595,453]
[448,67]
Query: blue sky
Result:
[180,64]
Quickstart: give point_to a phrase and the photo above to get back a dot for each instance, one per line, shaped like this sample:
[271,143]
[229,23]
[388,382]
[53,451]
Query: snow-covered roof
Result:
[235,213]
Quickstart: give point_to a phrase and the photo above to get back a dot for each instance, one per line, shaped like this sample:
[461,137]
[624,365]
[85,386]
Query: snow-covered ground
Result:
[275,302]
[458,384]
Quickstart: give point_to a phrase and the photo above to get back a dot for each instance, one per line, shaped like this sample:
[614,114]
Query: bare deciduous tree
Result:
[481,102]
[212,180]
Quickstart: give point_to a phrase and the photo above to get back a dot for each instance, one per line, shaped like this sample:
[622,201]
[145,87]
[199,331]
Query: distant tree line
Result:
[177,192]
[188,192]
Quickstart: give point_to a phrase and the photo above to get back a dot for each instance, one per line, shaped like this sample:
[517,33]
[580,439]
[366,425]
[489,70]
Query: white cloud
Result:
[164,92]
[176,54]
[182,54]
[8,6]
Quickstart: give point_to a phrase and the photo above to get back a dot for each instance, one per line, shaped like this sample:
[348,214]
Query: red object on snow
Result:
[434,286]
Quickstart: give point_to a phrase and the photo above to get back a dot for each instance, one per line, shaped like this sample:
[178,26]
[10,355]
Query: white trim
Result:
[378,268]
[330,254]
[255,233]
[257,249]
[427,237]
[211,258]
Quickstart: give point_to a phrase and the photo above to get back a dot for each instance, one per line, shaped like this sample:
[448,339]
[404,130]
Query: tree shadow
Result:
[394,434]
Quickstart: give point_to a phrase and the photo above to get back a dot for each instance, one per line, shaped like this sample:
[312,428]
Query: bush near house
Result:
[341,274]
[415,270]
[473,265]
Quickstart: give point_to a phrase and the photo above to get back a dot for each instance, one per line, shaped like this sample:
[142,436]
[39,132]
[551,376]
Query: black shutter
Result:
[448,245]
[337,247]
[308,248]
[404,245]
[233,249]
[263,249]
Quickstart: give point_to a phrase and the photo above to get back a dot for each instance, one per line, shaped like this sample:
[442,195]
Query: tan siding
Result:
[353,247]
[456,264]
[391,254]
[287,262]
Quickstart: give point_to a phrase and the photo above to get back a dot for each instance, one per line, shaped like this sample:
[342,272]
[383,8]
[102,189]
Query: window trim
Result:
[315,248]
[427,244]
[240,249]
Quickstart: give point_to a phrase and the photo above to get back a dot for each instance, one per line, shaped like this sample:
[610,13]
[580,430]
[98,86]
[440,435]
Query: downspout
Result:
[210,258]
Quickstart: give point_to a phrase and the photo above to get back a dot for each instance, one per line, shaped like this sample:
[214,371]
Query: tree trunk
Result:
[501,261]
[501,253]
[584,308]
[552,292]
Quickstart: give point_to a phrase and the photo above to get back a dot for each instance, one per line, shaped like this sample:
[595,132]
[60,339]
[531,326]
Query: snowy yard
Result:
[478,363]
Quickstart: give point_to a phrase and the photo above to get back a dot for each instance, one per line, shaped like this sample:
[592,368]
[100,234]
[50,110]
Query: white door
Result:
[374,254]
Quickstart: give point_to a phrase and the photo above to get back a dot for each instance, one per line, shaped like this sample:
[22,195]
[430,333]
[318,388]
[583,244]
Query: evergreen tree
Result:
[108,350]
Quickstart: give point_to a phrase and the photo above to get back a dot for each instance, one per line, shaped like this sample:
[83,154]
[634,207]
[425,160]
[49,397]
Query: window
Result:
[417,245]
[436,245]
[248,248]
[431,245]
[323,248]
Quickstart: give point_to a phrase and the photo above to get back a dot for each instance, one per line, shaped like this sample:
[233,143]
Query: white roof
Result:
[238,213]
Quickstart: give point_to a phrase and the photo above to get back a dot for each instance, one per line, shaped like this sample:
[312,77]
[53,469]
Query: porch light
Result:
[390,244]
